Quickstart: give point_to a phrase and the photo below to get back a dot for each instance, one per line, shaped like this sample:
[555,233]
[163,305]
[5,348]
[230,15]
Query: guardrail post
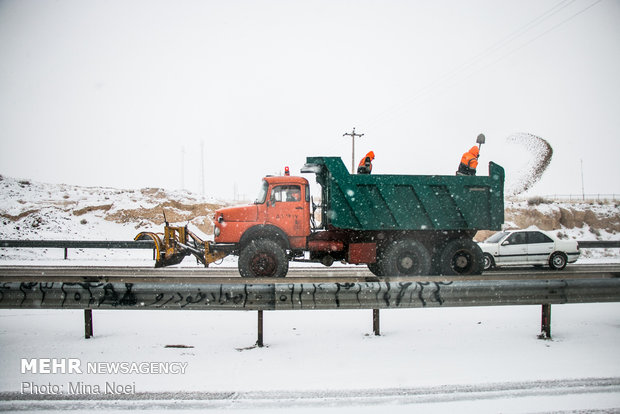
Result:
[259,342]
[545,326]
[66,249]
[88,323]
[375,322]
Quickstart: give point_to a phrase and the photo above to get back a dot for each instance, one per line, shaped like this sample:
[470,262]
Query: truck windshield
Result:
[262,194]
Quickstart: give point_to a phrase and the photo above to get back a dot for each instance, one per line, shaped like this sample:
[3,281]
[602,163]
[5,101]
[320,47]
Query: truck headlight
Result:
[216,231]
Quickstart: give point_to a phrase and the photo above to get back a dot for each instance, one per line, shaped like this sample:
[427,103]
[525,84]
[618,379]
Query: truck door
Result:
[289,210]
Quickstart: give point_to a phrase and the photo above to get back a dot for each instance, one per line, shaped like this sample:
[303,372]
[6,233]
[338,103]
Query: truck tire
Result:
[263,258]
[461,257]
[375,268]
[405,258]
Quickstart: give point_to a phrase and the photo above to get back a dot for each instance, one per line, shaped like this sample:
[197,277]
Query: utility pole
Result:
[352,135]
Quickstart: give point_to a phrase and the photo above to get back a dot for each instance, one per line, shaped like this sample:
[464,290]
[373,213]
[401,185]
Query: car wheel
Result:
[557,261]
[489,262]
[263,258]
[405,258]
[461,257]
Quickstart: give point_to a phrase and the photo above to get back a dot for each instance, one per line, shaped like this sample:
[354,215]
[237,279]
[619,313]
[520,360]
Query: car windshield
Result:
[496,237]
[262,194]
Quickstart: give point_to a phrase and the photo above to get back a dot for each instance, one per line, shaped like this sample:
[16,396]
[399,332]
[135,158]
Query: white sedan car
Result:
[528,247]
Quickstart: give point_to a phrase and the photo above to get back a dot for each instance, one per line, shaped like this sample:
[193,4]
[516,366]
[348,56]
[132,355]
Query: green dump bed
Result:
[408,202]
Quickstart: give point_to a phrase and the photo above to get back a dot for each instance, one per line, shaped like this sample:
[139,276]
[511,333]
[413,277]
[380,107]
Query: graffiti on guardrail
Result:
[359,295]
[114,295]
[283,296]
[90,295]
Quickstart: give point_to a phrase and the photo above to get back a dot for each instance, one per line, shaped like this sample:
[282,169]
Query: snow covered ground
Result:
[440,360]
[433,360]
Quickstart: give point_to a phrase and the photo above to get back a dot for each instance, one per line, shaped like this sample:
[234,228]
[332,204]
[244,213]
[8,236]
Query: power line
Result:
[475,59]
[489,51]
[543,33]
[512,52]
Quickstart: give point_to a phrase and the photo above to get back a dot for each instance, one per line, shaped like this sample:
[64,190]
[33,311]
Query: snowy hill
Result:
[31,210]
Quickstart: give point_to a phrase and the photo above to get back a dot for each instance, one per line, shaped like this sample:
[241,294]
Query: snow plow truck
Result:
[397,225]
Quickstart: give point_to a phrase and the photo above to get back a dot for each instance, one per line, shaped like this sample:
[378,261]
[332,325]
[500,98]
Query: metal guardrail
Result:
[79,244]
[287,296]
[301,296]
[590,244]
[582,197]
[148,244]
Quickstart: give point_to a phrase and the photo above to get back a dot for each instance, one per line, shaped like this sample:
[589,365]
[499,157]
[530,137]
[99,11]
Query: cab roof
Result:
[286,179]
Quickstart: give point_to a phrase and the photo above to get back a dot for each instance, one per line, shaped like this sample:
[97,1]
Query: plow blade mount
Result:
[176,243]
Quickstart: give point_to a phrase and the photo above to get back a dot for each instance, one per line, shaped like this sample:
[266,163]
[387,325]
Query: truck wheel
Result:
[406,258]
[461,257]
[263,258]
[375,268]
[557,261]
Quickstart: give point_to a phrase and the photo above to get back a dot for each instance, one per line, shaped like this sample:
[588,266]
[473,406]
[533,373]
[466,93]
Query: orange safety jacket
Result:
[470,158]
[365,165]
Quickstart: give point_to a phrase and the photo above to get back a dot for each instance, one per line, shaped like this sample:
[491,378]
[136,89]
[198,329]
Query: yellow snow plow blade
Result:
[176,243]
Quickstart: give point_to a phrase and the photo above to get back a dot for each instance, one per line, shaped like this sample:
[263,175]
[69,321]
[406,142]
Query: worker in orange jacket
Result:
[469,162]
[365,165]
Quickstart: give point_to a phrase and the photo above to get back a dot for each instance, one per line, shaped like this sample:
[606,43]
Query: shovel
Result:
[480,140]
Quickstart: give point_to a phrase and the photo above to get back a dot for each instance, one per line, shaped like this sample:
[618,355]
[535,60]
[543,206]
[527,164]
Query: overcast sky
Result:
[125,93]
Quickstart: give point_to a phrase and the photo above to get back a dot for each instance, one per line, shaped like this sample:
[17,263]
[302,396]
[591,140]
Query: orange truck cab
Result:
[262,233]
[281,211]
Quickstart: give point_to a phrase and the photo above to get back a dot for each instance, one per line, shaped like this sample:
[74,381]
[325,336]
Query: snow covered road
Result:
[564,395]
[440,360]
